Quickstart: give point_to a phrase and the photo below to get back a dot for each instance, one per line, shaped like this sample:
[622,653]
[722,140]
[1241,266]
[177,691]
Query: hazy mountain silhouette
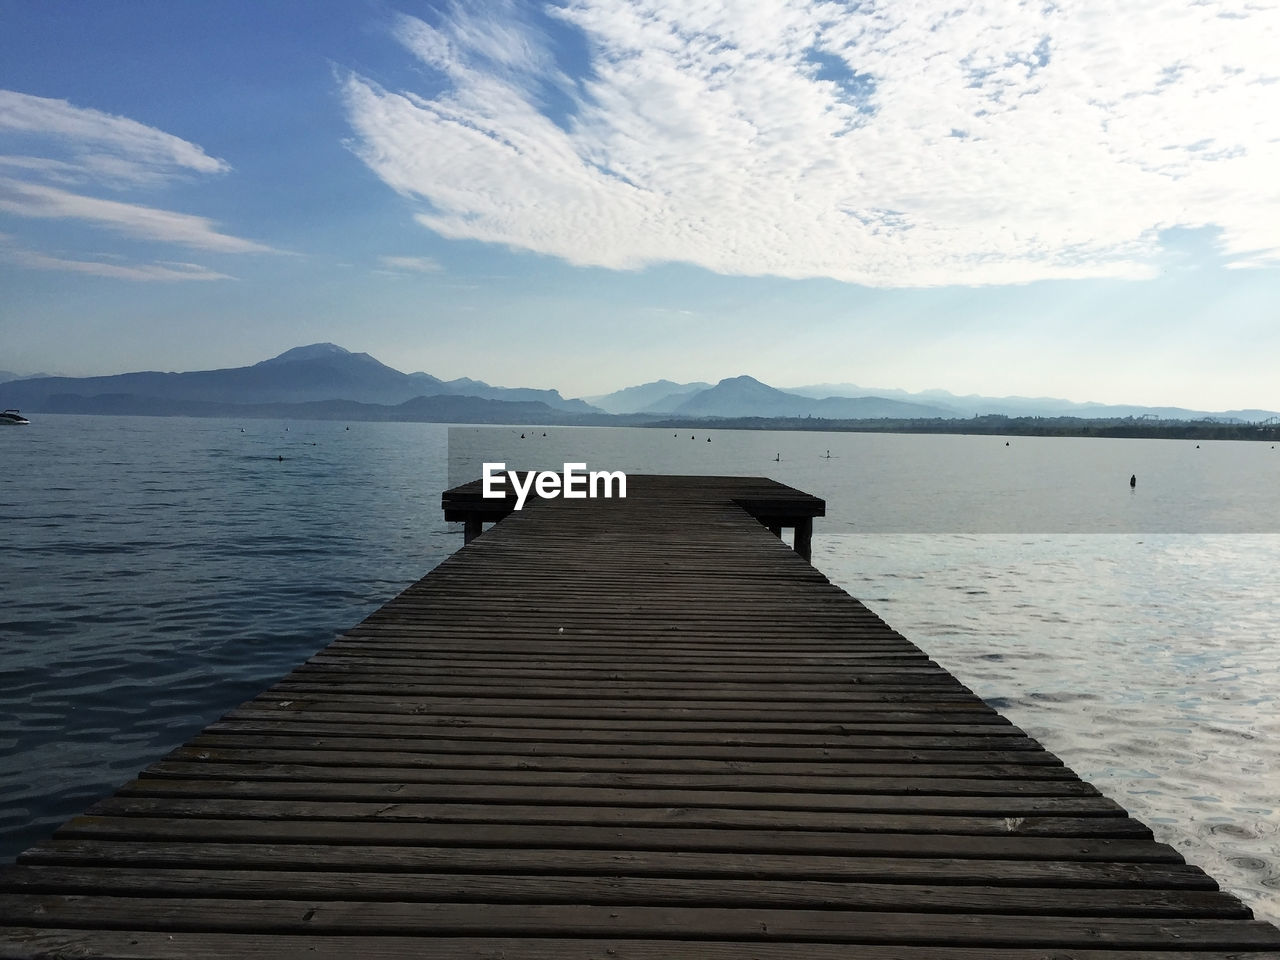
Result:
[325,376]
[975,405]
[466,387]
[6,375]
[659,396]
[317,372]
[747,397]
[442,408]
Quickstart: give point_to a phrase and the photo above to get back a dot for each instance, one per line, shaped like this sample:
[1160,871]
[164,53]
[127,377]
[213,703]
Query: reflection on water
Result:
[1147,663]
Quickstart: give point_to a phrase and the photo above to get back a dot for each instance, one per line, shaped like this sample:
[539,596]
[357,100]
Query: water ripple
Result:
[1148,664]
[150,593]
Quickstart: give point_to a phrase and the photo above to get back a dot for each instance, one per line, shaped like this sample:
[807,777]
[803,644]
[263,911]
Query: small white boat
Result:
[12,416]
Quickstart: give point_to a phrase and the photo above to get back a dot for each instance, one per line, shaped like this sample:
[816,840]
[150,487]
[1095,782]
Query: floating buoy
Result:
[1133,480]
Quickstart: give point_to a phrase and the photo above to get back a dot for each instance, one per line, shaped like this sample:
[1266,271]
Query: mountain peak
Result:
[312,351]
[657,395]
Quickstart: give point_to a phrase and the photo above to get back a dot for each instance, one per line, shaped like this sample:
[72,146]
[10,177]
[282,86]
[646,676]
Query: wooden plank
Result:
[563,815]
[497,888]
[864,732]
[932,685]
[552,762]
[867,697]
[333,766]
[150,945]
[633,643]
[265,766]
[481,888]
[608,863]
[424,656]
[301,736]
[423,659]
[508,836]
[956,714]
[542,920]
[910,777]
[401,791]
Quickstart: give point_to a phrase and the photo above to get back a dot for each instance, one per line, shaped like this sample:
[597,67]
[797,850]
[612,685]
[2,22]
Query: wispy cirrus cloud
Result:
[97,146]
[898,145]
[129,219]
[167,272]
[411,264]
[66,156]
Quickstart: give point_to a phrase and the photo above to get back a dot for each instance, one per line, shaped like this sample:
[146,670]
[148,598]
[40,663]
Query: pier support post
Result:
[472,527]
[804,538]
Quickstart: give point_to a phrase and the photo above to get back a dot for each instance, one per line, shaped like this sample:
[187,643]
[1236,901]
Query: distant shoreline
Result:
[999,425]
[457,411]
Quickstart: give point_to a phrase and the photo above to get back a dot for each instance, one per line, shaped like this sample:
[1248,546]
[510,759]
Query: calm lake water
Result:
[160,571]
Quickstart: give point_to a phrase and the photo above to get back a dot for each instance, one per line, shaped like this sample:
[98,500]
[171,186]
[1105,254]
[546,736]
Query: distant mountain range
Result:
[661,396]
[747,397]
[7,375]
[974,405]
[325,381]
[313,374]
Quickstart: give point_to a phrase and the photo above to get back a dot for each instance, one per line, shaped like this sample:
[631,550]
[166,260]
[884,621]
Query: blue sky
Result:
[1016,198]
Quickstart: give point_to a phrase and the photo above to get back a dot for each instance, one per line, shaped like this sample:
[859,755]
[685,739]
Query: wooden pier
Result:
[639,729]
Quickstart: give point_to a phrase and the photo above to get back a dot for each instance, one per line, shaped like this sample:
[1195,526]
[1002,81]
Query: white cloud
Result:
[61,145]
[147,223]
[101,146]
[889,145]
[116,271]
[414,264]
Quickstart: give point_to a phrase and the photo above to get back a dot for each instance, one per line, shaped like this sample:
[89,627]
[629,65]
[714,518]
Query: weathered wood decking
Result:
[637,730]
